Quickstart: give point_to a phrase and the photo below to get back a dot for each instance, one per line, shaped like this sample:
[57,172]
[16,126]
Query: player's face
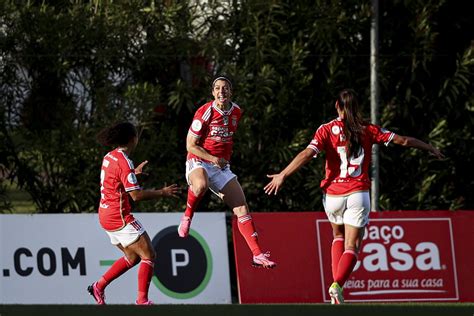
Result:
[222,92]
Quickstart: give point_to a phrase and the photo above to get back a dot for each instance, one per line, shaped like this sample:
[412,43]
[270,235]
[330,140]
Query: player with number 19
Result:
[347,142]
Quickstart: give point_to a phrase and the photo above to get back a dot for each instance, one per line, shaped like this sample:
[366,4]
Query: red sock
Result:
[192,203]
[247,230]
[145,273]
[337,249]
[119,267]
[345,267]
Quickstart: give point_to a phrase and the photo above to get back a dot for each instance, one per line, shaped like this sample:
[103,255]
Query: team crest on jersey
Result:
[336,130]
[225,119]
[196,125]
[132,178]
[234,120]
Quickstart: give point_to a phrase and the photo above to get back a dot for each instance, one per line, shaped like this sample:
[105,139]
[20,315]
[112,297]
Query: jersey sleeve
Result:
[380,135]
[200,121]
[127,175]
[317,143]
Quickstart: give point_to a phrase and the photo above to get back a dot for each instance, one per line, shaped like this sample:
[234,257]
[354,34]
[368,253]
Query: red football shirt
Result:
[344,175]
[215,129]
[117,177]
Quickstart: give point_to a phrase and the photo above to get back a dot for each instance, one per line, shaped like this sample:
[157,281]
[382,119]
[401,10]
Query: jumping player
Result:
[347,141]
[118,181]
[209,144]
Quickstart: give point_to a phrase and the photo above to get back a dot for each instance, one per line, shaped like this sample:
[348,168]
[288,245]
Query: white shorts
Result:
[127,235]
[352,209]
[218,177]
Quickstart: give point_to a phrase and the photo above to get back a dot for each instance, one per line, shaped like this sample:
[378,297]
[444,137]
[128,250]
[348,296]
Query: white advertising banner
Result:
[51,259]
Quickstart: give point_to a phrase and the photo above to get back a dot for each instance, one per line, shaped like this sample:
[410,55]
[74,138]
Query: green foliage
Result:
[70,68]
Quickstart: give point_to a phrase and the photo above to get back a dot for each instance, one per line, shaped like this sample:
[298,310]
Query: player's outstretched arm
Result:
[277,179]
[407,141]
[166,191]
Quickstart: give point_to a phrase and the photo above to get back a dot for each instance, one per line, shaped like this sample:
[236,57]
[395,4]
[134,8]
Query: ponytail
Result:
[353,122]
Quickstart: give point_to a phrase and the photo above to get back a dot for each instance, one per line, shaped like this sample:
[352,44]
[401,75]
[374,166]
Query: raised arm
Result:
[277,179]
[407,141]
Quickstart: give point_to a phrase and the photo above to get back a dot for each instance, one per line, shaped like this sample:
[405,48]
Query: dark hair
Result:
[118,134]
[221,77]
[353,122]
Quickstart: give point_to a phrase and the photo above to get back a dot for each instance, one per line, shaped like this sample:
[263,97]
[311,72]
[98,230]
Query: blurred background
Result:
[70,68]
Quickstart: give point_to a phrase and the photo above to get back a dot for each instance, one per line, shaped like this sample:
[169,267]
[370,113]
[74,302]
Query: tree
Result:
[69,69]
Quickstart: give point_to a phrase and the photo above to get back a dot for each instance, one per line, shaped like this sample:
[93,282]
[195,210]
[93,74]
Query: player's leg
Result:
[143,249]
[118,268]
[334,207]
[126,235]
[353,239]
[337,247]
[356,217]
[198,181]
[234,197]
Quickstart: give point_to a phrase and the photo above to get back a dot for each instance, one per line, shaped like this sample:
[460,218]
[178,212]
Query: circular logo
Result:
[196,125]
[132,178]
[336,130]
[184,265]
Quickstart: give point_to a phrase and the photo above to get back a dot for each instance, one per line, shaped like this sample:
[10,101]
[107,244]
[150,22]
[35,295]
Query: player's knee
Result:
[351,246]
[199,188]
[132,259]
[241,210]
[152,255]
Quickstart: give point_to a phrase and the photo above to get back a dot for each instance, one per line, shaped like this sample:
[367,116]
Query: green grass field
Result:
[418,309]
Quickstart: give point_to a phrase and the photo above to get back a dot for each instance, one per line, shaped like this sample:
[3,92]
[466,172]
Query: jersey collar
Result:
[214,105]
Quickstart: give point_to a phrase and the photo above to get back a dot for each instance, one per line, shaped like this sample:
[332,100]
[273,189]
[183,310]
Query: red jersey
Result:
[343,175]
[215,129]
[117,177]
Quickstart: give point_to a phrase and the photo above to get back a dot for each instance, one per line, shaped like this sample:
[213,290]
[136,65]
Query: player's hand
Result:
[139,169]
[275,184]
[220,162]
[170,191]
[438,154]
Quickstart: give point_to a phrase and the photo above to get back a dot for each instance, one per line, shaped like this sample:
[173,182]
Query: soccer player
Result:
[118,181]
[347,141]
[209,144]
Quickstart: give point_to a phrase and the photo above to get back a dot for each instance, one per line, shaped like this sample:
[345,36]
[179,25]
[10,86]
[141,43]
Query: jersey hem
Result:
[346,194]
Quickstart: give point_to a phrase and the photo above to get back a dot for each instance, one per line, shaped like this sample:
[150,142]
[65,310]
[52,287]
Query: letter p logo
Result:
[183,266]
[175,263]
